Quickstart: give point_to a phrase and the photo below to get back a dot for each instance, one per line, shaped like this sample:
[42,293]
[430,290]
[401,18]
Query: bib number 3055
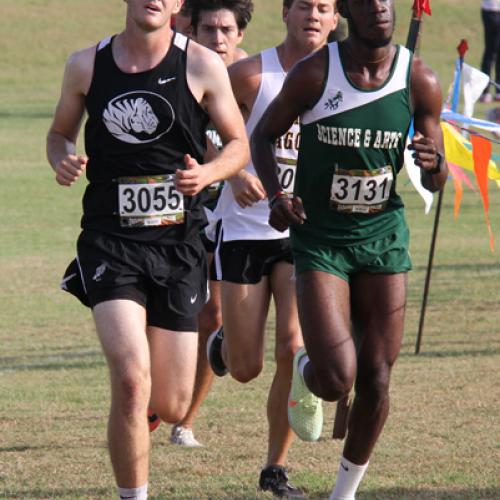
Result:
[149,201]
[361,191]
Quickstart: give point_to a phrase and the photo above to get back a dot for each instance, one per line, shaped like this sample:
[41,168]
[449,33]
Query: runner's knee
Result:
[131,389]
[334,382]
[286,349]
[209,319]
[172,408]
[373,386]
[246,370]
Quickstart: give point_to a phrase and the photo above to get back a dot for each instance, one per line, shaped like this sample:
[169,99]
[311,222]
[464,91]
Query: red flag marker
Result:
[421,6]
[462,48]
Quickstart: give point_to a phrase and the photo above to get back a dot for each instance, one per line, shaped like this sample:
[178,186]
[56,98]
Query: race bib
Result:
[149,201]
[361,191]
[287,167]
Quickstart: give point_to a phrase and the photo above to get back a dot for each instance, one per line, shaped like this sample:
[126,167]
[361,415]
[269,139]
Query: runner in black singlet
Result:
[149,94]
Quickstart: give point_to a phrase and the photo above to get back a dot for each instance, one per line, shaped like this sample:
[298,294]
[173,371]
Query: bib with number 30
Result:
[287,167]
[149,201]
[361,191]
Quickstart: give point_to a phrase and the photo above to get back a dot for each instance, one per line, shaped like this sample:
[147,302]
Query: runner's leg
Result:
[210,320]
[378,305]
[121,328]
[288,341]
[173,367]
[324,312]
[244,309]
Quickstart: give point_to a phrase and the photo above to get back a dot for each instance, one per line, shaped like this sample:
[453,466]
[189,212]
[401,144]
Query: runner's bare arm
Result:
[209,83]
[61,138]
[427,144]
[292,101]
[245,79]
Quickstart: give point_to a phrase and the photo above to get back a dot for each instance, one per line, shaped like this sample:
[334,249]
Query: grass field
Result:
[442,440]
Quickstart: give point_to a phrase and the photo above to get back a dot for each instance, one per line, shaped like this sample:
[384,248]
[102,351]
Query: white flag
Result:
[414,173]
[475,82]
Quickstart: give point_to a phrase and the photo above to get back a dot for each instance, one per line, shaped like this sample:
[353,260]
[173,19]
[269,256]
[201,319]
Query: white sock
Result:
[140,493]
[302,363]
[348,479]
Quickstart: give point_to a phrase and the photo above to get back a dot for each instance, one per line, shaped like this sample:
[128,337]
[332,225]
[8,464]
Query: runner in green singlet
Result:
[348,229]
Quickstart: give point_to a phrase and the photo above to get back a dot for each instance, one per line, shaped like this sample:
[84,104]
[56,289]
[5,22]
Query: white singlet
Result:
[251,223]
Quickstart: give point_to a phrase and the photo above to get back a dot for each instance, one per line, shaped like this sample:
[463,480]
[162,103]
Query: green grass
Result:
[442,439]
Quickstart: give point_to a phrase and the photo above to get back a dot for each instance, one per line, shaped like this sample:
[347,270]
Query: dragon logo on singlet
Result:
[131,117]
[332,103]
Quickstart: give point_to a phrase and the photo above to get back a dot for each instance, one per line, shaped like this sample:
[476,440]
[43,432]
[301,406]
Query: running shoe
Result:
[183,436]
[305,411]
[214,353]
[274,478]
[153,420]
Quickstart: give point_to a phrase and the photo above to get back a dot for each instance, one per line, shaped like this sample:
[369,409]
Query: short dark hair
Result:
[242,10]
[288,4]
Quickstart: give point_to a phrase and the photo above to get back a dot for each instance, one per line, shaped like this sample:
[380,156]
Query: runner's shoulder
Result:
[203,61]
[425,87]
[82,61]
[80,68]
[311,67]
[305,81]
[421,74]
[246,75]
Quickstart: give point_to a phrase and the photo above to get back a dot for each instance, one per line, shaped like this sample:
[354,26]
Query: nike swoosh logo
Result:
[163,81]
[193,299]
[65,280]
[344,467]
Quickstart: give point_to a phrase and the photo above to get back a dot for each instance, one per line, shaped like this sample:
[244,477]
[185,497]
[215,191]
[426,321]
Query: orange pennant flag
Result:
[481,154]
[459,190]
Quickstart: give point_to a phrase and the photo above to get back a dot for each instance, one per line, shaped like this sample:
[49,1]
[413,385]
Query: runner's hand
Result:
[285,212]
[424,152]
[69,169]
[247,189]
[192,180]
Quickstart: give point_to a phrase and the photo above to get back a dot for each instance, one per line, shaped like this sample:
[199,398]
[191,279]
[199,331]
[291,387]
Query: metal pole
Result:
[413,33]
[429,271]
[462,49]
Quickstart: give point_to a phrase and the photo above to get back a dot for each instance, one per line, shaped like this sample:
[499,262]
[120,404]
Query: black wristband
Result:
[437,168]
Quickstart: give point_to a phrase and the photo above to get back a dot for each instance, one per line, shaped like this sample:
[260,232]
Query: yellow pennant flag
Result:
[456,152]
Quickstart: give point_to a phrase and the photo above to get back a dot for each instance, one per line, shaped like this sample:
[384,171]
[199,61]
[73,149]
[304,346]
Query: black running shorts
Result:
[247,261]
[170,281]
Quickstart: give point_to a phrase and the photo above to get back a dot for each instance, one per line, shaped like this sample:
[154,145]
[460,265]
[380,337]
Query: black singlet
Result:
[140,125]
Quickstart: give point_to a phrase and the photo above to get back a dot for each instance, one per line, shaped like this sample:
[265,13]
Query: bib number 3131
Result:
[361,191]
[149,201]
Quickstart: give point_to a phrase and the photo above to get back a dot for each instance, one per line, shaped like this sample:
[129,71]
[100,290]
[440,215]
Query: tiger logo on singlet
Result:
[138,117]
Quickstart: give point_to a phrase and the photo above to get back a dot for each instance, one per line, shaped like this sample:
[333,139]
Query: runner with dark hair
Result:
[218,25]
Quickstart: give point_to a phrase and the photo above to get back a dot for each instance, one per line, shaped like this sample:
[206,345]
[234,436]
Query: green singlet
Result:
[351,150]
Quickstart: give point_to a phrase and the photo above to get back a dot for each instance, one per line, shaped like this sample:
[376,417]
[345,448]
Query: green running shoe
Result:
[305,411]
